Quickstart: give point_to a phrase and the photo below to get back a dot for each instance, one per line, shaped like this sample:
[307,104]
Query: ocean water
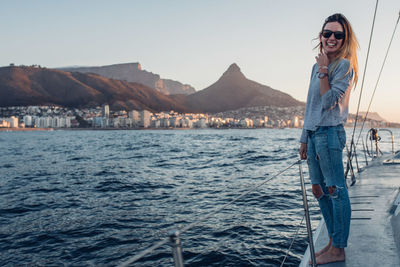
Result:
[97,198]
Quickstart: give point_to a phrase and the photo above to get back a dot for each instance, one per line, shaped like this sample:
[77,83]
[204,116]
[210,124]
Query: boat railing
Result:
[174,235]
[372,148]
[375,139]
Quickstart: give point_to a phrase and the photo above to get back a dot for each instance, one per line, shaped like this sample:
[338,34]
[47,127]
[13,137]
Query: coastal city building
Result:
[106,111]
[134,115]
[103,118]
[27,120]
[145,118]
[4,123]
[11,122]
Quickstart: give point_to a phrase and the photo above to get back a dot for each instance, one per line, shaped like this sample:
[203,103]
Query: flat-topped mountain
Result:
[371,115]
[20,86]
[233,91]
[132,72]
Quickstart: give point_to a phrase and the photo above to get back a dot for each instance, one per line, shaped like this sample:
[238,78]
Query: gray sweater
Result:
[332,108]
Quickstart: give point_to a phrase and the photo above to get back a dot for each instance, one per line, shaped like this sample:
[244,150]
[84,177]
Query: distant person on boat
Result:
[323,138]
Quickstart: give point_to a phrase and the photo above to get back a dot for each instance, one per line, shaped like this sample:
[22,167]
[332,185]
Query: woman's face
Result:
[332,38]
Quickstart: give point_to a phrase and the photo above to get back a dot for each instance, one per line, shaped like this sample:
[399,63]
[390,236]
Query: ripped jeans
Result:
[325,164]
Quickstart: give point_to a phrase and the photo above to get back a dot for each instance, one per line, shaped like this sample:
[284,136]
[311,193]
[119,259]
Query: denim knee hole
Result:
[335,192]
[321,196]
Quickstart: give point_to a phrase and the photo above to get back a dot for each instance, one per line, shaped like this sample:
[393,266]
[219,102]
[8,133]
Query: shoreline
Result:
[25,129]
[143,129]
[131,129]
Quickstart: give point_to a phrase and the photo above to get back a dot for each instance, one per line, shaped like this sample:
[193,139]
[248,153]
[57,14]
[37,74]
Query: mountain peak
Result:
[233,91]
[233,68]
[233,72]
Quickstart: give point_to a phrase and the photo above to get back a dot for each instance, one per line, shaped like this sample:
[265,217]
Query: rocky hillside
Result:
[21,86]
[371,115]
[233,91]
[132,72]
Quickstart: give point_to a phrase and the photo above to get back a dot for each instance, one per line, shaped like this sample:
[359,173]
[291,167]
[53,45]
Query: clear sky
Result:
[194,42]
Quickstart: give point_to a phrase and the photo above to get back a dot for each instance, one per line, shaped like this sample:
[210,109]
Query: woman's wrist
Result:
[322,69]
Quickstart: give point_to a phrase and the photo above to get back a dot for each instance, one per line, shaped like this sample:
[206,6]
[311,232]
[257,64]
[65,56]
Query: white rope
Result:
[188,227]
[144,252]
[294,238]
[365,70]
[235,199]
[379,76]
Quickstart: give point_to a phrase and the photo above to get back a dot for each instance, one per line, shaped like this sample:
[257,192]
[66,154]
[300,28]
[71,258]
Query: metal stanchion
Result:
[392,133]
[307,215]
[365,153]
[176,248]
[349,167]
[355,155]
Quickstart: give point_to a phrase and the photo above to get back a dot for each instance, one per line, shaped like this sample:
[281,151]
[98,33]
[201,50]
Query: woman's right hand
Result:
[303,151]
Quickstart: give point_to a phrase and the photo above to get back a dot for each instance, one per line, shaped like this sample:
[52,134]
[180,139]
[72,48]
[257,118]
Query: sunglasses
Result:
[328,33]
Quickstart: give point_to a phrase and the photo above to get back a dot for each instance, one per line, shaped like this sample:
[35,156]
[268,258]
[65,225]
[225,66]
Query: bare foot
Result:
[322,251]
[332,255]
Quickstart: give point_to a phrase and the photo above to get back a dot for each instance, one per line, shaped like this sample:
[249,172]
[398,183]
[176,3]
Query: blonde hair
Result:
[349,47]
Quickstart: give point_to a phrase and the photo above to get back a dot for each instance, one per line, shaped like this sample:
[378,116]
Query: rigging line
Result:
[379,76]
[294,238]
[164,232]
[144,252]
[363,79]
[166,240]
[235,199]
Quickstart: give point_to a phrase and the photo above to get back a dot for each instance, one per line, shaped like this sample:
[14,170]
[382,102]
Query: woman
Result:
[323,137]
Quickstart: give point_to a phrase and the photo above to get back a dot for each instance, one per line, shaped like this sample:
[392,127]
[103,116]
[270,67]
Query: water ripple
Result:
[98,197]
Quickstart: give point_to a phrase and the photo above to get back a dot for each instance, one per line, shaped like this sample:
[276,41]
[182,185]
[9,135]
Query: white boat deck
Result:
[372,240]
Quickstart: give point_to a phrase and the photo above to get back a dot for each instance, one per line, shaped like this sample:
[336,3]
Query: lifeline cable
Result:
[191,225]
[363,79]
[291,244]
[379,76]
[365,69]
[236,199]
